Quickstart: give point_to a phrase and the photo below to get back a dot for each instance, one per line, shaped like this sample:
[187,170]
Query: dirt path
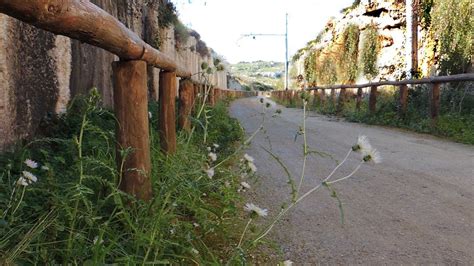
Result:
[417,207]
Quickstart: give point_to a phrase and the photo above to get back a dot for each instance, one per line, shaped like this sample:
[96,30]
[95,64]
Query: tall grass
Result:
[75,213]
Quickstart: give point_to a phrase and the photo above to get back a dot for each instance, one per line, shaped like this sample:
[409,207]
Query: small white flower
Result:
[216,146]
[31,164]
[195,251]
[22,182]
[174,204]
[245,185]
[172,231]
[195,224]
[212,156]
[252,208]
[287,263]
[44,168]
[97,239]
[372,155]
[209,149]
[248,158]
[150,115]
[31,177]
[252,167]
[204,194]
[210,172]
[362,145]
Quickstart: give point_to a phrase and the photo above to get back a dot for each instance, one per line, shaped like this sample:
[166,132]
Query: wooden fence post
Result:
[333,96]
[186,99]
[323,97]
[435,100]
[341,100]
[167,126]
[359,99]
[403,100]
[131,109]
[373,99]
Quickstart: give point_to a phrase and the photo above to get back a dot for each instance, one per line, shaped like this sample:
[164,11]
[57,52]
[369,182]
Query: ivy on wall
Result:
[347,62]
[452,23]
[370,51]
[337,62]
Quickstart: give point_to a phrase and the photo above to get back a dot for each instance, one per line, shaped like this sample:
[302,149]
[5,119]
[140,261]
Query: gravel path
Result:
[417,207]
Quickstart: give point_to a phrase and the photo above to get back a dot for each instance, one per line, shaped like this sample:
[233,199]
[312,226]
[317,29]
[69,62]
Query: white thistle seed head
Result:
[252,167]
[372,155]
[210,172]
[248,158]
[22,182]
[253,209]
[362,145]
[212,156]
[245,185]
[287,263]
[31,164]
[31,177]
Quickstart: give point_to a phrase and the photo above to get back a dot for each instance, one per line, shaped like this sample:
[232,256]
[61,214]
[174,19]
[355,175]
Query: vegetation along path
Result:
[414,207]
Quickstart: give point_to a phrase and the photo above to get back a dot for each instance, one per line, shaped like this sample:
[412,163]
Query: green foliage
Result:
[348,57]
[166,14]
[327,71]
[425,12]
[202,49]
[181,34]
[453,26]
[452,123]
[189,221]
[310,66]
[349,8]
[370,51]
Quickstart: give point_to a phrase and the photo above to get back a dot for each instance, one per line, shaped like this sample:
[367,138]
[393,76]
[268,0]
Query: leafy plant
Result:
[370,51]
[348,57]
[453,25]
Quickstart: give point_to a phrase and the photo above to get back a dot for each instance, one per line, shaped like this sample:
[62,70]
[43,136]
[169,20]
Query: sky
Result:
[221,24]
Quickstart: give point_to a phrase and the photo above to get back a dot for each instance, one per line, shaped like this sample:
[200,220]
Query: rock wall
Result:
[41,72]
[390,19]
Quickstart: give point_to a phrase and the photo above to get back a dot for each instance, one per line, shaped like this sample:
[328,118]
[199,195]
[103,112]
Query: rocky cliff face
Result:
[41,72]
[389,17]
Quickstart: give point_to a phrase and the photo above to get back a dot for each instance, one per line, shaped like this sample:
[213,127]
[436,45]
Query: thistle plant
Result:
[362,149]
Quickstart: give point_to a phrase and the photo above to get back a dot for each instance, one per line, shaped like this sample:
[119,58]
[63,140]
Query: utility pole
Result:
[412,7]
[254,35]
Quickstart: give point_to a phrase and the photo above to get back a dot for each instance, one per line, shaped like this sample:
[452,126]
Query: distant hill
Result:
[259,75]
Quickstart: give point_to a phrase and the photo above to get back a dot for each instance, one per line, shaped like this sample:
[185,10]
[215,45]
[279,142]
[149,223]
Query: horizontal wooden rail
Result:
[84,21]
[430,80]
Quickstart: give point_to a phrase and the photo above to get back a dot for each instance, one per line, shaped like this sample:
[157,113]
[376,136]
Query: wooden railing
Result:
[84,21]
[320,91]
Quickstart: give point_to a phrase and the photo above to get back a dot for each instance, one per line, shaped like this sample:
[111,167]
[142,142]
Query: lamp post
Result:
[253,35]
